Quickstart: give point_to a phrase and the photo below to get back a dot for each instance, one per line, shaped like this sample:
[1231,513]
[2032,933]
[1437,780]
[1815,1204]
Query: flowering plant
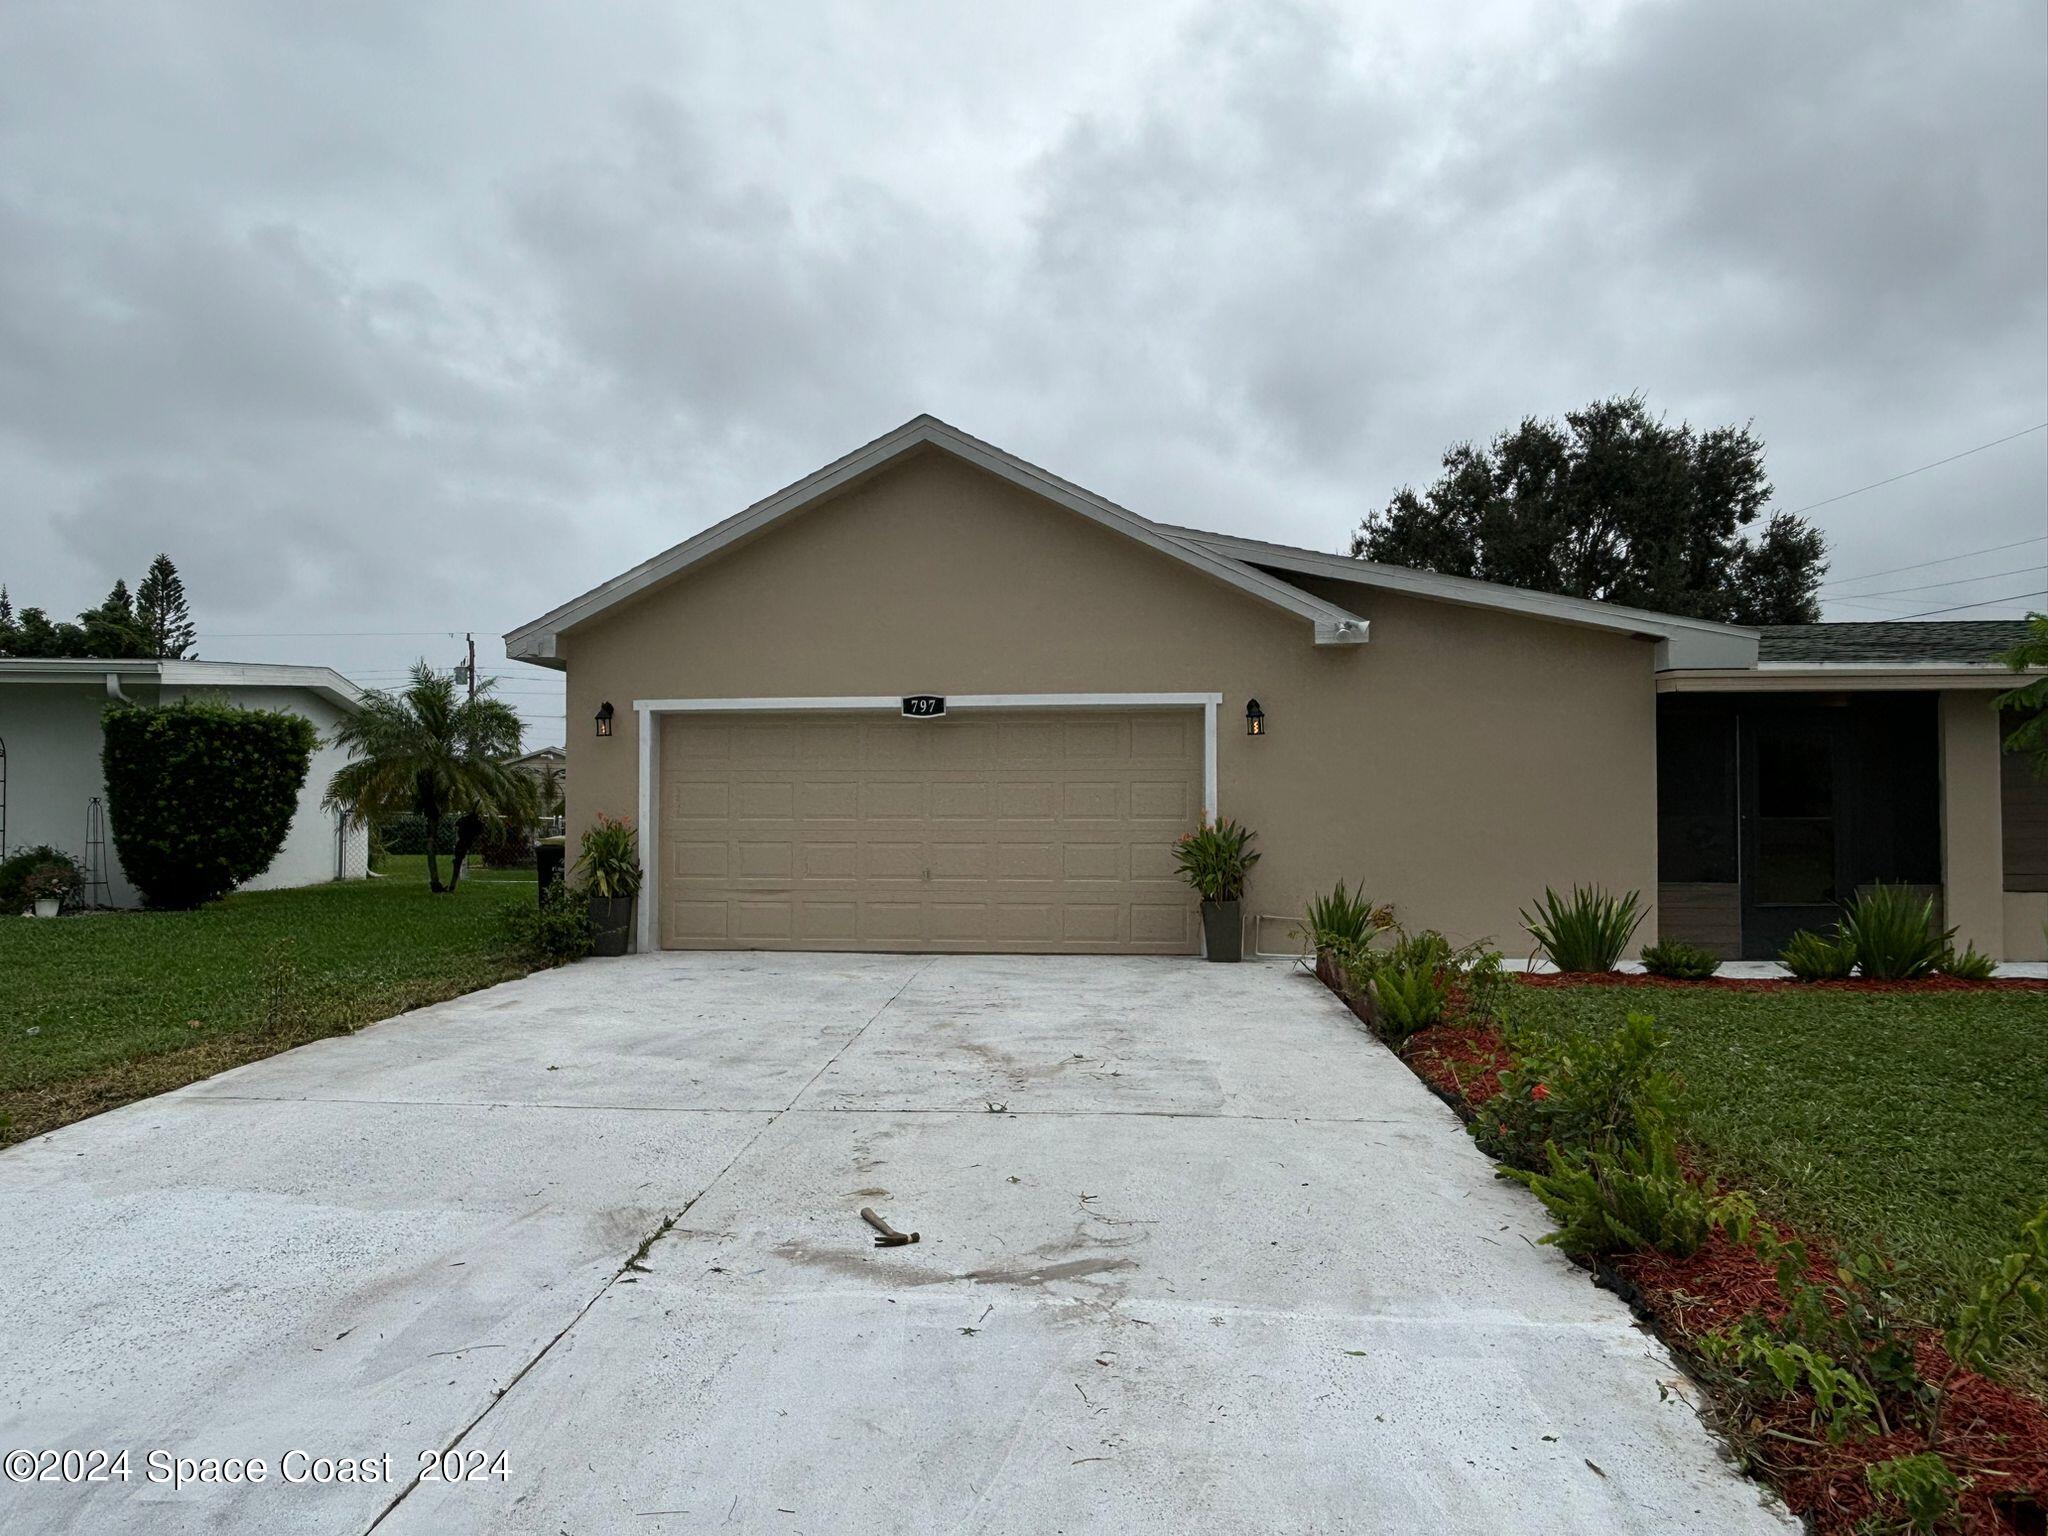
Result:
[1215,858]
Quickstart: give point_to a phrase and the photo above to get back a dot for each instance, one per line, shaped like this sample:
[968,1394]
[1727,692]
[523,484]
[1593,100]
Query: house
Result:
[51,789]
[935,697]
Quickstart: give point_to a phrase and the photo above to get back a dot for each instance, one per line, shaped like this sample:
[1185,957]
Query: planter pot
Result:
[48,906]
[1223,930]
[612,917]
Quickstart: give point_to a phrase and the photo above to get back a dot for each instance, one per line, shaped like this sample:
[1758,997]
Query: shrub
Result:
[1970,965]
[1407,996]
[1216,859]
[1891,929]
[1587,932]
[1679,961]
[1343,918]
[506,844]
[555,929]
[200,795]
[17,867]
[609,865]
[1583,1092]
[1921,1488]
[1814,957]
[57,880]
[1636,1196]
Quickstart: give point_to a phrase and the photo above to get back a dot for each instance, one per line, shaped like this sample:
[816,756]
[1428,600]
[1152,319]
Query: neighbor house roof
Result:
[1255,567]
[224,675]
[1970,640]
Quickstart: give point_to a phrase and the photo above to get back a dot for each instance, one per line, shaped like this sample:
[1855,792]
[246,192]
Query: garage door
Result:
[1021,831]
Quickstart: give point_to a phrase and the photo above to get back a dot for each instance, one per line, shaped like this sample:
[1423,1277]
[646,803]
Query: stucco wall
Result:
[1972,844]
[52,731]
[1456,764]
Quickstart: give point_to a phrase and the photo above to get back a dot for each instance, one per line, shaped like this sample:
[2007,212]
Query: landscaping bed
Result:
[103,1008]
[1861,1114]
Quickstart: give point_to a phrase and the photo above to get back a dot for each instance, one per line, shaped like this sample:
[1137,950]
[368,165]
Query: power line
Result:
[1843,581]
[2010,597]
[1909,473]
[1960,581]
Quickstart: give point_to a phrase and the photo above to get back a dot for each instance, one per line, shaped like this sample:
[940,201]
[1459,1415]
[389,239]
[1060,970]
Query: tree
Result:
[2029,701]
[1616,505]
[111,630]
[433,752]
[160,608]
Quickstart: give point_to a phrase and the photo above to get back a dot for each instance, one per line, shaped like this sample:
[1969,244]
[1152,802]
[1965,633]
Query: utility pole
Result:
[472,665]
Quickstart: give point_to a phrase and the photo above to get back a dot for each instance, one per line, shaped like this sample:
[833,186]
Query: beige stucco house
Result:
[746,698]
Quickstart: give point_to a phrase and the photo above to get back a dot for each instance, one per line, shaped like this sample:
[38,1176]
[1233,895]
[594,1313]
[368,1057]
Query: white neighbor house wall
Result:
[52,733]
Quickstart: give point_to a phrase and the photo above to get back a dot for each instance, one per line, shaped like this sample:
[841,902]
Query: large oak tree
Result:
[1615,504]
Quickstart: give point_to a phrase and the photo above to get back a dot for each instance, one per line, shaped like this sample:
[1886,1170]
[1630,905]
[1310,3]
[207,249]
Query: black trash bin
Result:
[548,859]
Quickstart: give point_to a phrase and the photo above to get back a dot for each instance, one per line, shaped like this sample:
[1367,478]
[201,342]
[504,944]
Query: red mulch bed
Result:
[1462,1061]
[1781,983]
[2001,1435]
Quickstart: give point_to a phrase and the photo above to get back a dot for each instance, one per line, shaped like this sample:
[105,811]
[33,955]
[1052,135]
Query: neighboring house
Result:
[1451,745]
[541,759]
[50,729]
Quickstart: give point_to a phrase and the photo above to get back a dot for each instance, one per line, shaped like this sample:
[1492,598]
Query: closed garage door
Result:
[1023,830]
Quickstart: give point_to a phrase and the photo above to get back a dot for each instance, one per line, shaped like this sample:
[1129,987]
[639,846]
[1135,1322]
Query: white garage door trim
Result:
[650,750]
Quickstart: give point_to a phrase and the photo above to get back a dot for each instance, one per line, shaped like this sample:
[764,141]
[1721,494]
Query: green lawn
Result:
[97,1010]
[1916,1121]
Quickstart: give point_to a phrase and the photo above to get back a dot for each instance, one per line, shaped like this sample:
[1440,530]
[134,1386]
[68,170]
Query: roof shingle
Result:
[1968,640]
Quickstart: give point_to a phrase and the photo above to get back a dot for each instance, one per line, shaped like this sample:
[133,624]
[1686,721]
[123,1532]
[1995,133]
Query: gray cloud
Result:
[398,317]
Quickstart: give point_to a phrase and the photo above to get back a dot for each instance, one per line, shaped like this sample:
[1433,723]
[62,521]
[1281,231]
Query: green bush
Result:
[554,929]
[1582,1092]
[1344,918]
[1586,933]
[1407,997]
[1971,965]
[1636,1196]
[1814,957]
[1676,960]
[200,795]
[17,867]
[609,864]
[1891,929]
[1921,1488]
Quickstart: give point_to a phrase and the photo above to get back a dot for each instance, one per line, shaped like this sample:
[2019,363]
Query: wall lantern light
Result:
[1254,719]
[604,718]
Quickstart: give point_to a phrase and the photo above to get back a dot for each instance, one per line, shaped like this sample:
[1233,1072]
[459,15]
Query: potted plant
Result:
[50,884]
[1215,859]
[609,873]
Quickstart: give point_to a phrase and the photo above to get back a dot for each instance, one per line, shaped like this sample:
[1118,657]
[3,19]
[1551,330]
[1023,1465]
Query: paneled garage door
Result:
[1028,830]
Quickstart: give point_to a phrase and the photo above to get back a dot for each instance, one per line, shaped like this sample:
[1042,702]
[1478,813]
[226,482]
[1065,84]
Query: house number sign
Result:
[924,706]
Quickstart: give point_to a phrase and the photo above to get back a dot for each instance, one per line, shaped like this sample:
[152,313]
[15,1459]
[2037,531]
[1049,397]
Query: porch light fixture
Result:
[604,718]
[1254,719]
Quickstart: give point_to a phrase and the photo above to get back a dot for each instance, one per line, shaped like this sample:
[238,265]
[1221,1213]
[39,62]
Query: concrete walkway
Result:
[1197,1255]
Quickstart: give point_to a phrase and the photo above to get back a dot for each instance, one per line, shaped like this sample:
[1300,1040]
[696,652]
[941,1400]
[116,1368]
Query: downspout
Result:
[114,689]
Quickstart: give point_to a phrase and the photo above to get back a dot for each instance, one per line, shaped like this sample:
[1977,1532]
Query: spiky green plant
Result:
[1587,931]
[1811,956]
[1678,961]
[1892,930]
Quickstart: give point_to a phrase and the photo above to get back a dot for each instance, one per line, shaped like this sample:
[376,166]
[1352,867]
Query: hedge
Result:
[200,795]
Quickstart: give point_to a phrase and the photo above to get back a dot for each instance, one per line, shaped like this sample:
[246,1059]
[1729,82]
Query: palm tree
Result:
[2028,703]
[429,751]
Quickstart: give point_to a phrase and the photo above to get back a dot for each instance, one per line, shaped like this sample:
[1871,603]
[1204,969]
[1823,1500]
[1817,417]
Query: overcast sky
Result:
[413,317]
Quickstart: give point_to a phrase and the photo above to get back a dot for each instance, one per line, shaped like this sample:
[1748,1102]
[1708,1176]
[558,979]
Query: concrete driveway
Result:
[1196,1255]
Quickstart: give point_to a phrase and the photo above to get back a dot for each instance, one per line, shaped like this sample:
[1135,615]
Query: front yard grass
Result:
[100,1009]
[1915,1121]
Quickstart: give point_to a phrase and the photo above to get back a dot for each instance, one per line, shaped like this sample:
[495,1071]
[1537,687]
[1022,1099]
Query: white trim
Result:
[537,641]
[1844,677]
[647,712]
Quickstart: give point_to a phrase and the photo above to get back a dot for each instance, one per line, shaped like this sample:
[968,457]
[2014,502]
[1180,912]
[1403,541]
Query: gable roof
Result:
[1898,641]
[538,641]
